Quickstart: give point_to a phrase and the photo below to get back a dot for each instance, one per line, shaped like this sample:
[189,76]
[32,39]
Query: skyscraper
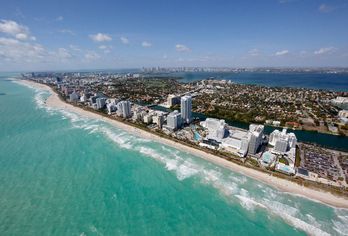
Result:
[255,137]
[174,120]
[186,109]
[124,109]
[100,103]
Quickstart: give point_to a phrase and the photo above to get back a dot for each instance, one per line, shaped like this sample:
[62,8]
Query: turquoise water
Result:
[63,174]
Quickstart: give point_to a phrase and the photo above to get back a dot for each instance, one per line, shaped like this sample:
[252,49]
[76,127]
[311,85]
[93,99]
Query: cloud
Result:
[21,51]
[59,18]
[324,8]
[75,48]
[182,48]
[27,53]
[91,56]
[63,53]
[16,30]
[100,37]
[282,53]
[106,49]
[67,31]
[254,52]
[327,50]
[146,44]
[124,40]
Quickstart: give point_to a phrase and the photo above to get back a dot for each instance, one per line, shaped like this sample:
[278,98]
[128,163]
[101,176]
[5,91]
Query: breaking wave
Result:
[236,188]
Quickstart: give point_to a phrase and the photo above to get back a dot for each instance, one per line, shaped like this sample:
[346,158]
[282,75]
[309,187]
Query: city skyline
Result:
[107,35]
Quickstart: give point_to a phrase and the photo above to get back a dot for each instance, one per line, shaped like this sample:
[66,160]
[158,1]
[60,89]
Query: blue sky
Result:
[49,35]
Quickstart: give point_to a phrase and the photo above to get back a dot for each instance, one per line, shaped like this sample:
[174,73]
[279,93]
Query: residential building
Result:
[174,120]
[255,138]
[74,97]
[216,128]
[124,109]
[173,100]
[186,109]
[100,103]
[282,141]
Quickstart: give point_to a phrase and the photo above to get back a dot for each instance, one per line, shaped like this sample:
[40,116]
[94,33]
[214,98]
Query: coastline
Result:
[280,184]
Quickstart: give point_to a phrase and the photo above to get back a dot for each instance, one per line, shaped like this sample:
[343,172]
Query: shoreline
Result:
[281,184]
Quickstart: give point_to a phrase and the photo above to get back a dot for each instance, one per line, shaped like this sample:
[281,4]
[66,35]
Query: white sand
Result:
[281,184]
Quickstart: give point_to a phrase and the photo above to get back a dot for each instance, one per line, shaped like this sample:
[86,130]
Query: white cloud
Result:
[254,52]
[21,36]
[182,48]
[324,50]
[146,44]
[106,49]
[100,37]
[66,31]
[59,18]
[282,53]
[16,30]
[124,40]
[91,56]
[324,8]
[21,51]
[75,48]
[63,53]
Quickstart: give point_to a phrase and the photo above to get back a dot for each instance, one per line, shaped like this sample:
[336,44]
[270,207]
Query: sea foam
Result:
[229,185]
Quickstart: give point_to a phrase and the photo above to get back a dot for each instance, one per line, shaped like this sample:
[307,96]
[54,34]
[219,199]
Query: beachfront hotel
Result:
[282,141]
[174,120]
[124,109]
[256,133]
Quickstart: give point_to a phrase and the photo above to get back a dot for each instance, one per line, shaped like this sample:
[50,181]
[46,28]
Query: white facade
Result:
[158,120]
[74,97]
[174,120]
[147,119]
[83,98]
[186,109]
[281,146]
[124,109]
[282,141]
[100,102]
[255,137]
[216,128]
[172,100]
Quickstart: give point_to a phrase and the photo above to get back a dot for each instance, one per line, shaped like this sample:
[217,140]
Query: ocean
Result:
[63,174]
[310,80]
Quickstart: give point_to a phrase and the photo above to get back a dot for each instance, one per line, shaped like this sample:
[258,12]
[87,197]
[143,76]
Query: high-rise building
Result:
[292,140]
[281,145]
[124,109]
[158,119]
[186,109]
[255,137]
[100,103]
[216,128]
[74,97]
[173,100]
[278,139]
[174,120]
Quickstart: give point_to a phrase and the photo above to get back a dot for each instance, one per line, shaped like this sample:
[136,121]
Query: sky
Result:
[69,35]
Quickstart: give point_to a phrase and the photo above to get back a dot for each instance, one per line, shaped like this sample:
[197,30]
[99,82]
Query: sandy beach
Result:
[280,184]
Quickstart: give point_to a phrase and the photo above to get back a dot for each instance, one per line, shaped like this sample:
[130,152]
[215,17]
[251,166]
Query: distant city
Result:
[242,69]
